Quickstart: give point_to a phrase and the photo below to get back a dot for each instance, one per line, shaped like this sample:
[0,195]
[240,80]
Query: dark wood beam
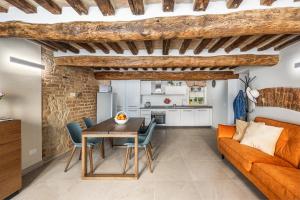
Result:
[105,7]
[240,40]
[202,45]
[200,5]
[136,7]
[168,5]
[185,45]
[44,44]
[287,43]
[23,5]
[116,47]
[222,68]
[219,44]
[251,22]
[132,47]
[149,46]
[233,3]
[213,68]
[166,47]
[3,10]
[274,42]
[102,47]
[87,47]
[56,45]
[267,2]
[68,47]
[49,5]
[142,75]
[257,42]
[78,6]
[203,68]
[167,61]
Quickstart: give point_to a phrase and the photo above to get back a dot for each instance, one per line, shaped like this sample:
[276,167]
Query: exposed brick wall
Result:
[59,107]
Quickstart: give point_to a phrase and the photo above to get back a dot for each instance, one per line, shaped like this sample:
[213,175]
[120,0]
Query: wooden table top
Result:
[111,127]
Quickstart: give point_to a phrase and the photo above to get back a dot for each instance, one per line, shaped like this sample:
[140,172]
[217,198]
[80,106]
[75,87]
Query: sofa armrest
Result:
[225,131]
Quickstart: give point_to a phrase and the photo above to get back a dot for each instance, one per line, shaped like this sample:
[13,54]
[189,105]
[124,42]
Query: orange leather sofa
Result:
[278,176]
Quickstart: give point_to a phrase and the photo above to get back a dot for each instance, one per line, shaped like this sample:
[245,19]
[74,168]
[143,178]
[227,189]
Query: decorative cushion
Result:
[241,127]
[288,146]
[262,137]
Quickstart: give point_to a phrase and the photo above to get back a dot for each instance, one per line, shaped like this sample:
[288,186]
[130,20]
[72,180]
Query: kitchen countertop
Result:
[178,107]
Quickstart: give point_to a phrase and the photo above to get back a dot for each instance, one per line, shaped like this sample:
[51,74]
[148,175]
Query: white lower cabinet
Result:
[173,117]
[189,117]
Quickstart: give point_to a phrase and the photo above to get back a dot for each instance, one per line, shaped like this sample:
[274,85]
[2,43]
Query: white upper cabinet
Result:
[145,87]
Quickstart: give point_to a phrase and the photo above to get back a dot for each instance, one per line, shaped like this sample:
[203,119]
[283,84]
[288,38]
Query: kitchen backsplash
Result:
[158,100]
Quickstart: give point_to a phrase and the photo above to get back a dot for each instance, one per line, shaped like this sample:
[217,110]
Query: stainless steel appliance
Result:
[159,116]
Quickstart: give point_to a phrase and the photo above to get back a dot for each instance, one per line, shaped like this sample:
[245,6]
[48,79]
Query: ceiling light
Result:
[25,62]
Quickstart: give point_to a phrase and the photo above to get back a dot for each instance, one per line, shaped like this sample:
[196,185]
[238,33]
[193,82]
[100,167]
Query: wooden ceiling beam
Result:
[222,68]
[287,43]
[105,7]
[49,5]
[274,42]
[168,5]
[149,46]
[78,6]
[185,45]
[102,47]
[136,7]
[57,45]
[267,2]
[44,44]
[167,61]
[148,75]
[132,47]
[240,40]
[200,5]
[87,47]
[233,3]
[116,47]
[251,22]
[219,44]
[213,68]
[23,5]
[3,10]
[166,47]
[202,45]
[257,42]
[68,47]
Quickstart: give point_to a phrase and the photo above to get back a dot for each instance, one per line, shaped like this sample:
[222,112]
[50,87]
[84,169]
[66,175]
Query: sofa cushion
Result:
[241,127]
[288,144]
[247,155]
[283,181]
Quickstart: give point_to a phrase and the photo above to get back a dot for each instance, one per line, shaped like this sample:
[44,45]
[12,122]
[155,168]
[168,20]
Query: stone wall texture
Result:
[280,97]
[60,106]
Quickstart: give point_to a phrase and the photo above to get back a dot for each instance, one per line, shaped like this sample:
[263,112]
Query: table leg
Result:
[84,157]
[136,155]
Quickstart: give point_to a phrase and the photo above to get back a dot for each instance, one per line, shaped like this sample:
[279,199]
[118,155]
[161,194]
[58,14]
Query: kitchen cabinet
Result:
[146,113]
[175,90]
[187,117]
[202,117]
[145,87]
[173,117]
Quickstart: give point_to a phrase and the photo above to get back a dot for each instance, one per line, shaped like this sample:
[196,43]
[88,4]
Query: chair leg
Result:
[130,153]
[150,151]
[91,160]
[111,142]
[149,159]
[102,150]
[70,158]
[150,145]
[80,155]
[126,159]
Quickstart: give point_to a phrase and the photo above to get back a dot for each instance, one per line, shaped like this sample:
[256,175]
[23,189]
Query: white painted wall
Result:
[23,101]
[282,75]
[217,97]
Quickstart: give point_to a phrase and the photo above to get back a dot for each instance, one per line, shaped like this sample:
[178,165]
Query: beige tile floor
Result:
[186,167]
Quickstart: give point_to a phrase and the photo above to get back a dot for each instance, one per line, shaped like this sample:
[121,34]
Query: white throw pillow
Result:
[262,137]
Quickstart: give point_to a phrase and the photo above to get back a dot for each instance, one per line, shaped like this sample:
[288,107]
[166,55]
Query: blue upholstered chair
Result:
[144,142]
[74,130]
[88,122]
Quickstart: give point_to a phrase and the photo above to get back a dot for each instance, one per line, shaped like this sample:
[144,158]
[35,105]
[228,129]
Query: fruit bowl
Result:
[121,118]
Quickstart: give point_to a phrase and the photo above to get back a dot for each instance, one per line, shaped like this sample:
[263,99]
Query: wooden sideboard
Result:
[10,157]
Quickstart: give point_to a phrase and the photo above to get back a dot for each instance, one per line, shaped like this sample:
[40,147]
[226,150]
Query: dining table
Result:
[110,129]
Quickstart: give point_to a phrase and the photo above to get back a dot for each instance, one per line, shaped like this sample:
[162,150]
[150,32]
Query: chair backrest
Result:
[149,133]
[74,131]
[88,122]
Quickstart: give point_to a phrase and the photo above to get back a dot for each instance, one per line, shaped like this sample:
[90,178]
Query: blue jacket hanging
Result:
[239,106]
